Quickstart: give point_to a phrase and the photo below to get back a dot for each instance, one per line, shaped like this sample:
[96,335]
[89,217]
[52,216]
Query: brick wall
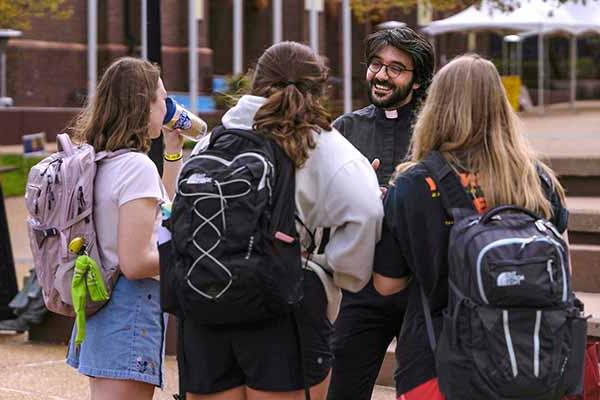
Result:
[258,24]
[19,121]
[47,66]
[258,30]
[72,30]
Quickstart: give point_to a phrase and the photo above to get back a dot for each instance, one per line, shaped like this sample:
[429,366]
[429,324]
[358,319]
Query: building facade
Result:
[47,65]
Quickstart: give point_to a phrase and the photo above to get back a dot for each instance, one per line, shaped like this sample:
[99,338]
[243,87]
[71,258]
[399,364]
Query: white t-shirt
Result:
[121,179]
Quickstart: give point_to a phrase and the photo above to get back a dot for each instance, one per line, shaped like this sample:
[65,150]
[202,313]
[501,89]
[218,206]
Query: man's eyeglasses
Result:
[393,70]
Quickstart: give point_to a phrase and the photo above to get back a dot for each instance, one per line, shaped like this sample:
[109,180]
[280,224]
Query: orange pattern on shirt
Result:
[471,184]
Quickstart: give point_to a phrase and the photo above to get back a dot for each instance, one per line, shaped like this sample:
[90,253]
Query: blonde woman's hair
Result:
[468,118]
[117,116]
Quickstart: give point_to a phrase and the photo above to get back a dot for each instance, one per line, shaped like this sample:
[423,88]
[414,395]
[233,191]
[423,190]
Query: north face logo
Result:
[199,179]
[510,278]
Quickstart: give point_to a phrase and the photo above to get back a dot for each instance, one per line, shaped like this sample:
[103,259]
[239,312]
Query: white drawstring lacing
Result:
[208,221]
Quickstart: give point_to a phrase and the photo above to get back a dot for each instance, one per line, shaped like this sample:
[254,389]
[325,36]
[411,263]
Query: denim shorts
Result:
[125,339]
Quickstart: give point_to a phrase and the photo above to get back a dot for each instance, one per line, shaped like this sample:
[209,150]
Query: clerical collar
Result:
[397,112]
[391,114]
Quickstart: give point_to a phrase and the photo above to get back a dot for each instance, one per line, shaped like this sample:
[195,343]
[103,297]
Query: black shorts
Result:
[264,355]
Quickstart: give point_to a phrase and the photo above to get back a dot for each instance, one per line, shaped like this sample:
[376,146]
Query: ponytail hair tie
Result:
[284,84]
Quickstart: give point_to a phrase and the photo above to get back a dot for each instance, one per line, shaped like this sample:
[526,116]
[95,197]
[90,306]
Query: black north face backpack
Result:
[236,253]
[513,328]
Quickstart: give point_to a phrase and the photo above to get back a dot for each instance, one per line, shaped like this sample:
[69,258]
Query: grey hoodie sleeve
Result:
[354,210]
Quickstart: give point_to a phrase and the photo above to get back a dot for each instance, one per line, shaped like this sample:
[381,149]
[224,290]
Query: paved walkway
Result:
[564,133]
[38,372]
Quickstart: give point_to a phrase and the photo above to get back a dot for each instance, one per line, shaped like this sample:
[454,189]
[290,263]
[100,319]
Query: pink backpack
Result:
[59,198]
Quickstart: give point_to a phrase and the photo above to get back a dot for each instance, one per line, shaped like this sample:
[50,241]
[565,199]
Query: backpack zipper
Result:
[536,343]
[50,164]
[549,269]
[57,170]
[224,161]
[509,344]
[49,192]
[522,241]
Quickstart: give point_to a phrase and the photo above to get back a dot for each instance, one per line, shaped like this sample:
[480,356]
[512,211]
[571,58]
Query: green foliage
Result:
[375,10]
[237,86]
[13,183]
[17,14]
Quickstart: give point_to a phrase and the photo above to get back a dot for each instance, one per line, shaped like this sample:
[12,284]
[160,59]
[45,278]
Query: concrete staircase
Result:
[581,178]
[580,175]
[584,235]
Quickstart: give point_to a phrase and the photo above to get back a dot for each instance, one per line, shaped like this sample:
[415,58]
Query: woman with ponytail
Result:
[337,199]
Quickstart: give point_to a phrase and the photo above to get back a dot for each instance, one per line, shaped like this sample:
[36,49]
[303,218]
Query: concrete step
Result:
[591,303]
[584,220]
[386,373]
[383,393]
[584,237]
[575,165]
[581,185]
[54,329]
[580,175]
[585,267]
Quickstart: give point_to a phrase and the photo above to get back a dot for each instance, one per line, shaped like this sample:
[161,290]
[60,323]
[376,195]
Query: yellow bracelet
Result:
[173,156]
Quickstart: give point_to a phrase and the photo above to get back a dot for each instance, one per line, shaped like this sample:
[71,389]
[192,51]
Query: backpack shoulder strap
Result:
[456,202]
[284,184]
[220,131]
[428,320]
[454,197]
[547,185]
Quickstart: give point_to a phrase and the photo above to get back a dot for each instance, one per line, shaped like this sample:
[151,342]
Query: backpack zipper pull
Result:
[51,200]
[49,195]
[549,269]
[57,170]
[539,224]
[80,200]
[528,241]
[81,197]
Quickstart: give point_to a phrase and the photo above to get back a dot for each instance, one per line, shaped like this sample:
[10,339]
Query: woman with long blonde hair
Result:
[469,121]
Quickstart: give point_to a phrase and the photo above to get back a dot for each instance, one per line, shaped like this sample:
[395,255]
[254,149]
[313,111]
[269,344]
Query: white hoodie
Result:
[336,188]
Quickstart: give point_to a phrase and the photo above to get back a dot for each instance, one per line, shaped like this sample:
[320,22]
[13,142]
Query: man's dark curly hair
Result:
[415,45]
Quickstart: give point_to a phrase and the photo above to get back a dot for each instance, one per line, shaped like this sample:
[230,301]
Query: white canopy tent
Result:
[539,16]
[532,15]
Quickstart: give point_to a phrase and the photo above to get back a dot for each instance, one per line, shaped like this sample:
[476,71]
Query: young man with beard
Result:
[399,69]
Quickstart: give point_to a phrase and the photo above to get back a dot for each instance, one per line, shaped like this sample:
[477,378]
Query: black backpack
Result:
[235,250]
[513,328]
